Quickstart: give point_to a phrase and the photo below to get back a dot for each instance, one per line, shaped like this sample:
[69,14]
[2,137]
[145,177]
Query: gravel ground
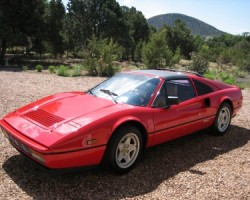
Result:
[198,166]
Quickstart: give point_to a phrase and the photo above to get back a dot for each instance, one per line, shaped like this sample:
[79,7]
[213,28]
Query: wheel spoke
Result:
[128,141]
[224,116]
[121,146]
[219,120]
[121,157]
[127,158]
[221,125]
[132,147]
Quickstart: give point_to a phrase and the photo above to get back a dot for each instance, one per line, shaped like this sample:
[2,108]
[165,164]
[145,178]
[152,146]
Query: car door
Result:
[174,119]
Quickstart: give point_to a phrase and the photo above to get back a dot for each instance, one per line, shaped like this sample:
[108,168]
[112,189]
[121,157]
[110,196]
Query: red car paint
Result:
[73,129]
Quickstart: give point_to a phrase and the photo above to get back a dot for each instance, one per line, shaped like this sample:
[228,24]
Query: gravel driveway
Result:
[199,166]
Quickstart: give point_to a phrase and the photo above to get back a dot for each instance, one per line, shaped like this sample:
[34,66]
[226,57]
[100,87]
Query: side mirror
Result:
[173,100]
[163,102]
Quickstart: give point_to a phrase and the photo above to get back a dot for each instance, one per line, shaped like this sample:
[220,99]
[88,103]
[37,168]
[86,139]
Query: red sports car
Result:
[113,122]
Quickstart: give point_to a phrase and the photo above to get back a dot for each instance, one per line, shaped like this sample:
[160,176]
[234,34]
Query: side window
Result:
[202,88]
[181,88]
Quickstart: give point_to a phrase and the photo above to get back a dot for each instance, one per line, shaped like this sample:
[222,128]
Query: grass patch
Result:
[63,71]
[77,70]
[243,85]
[229,76]
[25,68]
[52,69]
[39,68]
[241,74]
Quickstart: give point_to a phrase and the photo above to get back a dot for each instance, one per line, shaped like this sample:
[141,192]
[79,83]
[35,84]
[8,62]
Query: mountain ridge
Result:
[196,26]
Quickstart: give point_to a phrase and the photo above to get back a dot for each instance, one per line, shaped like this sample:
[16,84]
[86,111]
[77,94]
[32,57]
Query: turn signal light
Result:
[92,141]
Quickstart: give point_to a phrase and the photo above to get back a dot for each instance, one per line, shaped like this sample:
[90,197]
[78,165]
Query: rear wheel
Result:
[223,119]
[124,149]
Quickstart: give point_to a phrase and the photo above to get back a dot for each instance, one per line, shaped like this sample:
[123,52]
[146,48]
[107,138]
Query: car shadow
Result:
[157,165]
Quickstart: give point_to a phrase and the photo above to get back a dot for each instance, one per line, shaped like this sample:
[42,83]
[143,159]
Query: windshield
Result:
[127,88]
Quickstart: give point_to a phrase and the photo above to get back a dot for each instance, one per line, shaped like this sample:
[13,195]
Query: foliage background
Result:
[101,31]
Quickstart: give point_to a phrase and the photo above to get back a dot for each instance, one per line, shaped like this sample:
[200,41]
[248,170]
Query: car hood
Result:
[49,114]
[38,120]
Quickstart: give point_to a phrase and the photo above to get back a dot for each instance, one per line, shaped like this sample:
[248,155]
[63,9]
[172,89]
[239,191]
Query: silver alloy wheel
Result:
[224,119]
[127,150]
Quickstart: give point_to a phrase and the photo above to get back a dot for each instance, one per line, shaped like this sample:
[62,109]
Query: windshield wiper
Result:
[90,91]
[112,94]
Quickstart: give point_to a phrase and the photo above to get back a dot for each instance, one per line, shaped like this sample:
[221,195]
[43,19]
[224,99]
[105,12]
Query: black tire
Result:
[124,149]
[223,119]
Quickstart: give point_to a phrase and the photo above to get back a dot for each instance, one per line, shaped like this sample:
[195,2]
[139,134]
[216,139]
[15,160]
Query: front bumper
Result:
[42,155]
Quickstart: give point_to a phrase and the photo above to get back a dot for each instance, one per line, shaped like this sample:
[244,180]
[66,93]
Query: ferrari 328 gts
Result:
[116,120]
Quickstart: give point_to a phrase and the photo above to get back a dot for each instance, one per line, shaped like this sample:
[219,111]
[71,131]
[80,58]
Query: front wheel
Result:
[223,119]
[124,149]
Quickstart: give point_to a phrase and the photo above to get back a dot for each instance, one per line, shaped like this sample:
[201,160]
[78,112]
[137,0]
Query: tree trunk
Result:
[3,45]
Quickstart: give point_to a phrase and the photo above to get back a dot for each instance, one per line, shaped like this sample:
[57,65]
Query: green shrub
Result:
[243,85]
[133,67]
[51,69]
[102,53]
[156,53]
[227,77]
[213,74]
[224,57]
[56,68]
[176,57]
[39,68]
[63,71]
[224,75]
[90,66]
[210,76]
[77,70]
[199,64]
[241,74]
[137,55]
[230,80]
[25,68]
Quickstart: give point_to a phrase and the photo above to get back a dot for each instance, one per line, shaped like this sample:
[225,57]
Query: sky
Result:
[231,16]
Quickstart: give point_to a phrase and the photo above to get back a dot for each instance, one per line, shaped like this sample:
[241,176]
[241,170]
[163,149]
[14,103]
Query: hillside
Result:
[196,26]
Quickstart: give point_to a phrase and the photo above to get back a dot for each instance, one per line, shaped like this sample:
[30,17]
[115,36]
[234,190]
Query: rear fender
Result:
[227,99]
